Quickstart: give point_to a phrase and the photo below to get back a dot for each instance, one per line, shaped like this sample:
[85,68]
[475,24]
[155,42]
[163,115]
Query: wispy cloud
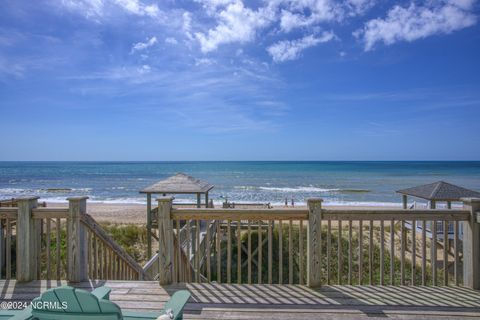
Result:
[417,22]
[139,46]
[290,50]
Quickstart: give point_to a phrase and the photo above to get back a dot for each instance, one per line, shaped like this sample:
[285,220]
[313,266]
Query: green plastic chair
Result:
[68,303]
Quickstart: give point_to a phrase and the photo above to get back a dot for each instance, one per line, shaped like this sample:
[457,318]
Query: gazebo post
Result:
[432,204]
[198,200]
[449,204]
[206,199]
[404,200]
[149,225]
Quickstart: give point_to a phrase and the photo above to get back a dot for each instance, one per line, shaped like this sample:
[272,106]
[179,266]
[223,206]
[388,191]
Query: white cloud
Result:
[417,22]
[97,8]
[138,8]
[236,23]
[171,40]
[290,50]
[144,45]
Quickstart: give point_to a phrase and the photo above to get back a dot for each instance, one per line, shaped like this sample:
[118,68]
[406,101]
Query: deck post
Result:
[404,201]
[471,245]
[77,244]
[165,240]
[149,225]
[27,230]
[314,245]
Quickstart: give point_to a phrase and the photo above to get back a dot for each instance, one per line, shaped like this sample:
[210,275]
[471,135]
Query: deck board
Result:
[222,301]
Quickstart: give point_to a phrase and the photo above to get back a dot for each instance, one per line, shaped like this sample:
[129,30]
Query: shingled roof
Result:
[179,183]
[440,191]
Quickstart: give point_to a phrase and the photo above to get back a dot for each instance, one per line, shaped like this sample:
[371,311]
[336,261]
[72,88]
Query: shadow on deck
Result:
[223,301]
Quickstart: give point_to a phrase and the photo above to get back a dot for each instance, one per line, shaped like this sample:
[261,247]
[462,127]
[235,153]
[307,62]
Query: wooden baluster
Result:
[424,253]
[260,249]
[290,252]
[219,252]
[239,252]
[434,253]
[270,243]
[339,253]
[57,254]
[300,252]
[445,253]
[402,253]
[207,249]
[382,252]
[392,252]
[370,253]
[249,262]
[455,252]
[178,257]
[229,253]
[280,252]
[350,247]
[197,251]
[360,252]
[95,258]
[329,250]
[49,249]
[8,248]
[89,254]
[189,242]
[414,250]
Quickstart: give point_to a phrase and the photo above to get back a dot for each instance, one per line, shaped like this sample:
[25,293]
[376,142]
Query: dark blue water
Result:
[336,182]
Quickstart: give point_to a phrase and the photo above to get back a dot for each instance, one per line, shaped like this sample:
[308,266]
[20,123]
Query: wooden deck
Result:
[222,301]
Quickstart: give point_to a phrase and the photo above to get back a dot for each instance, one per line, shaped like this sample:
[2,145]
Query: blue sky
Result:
[239,80]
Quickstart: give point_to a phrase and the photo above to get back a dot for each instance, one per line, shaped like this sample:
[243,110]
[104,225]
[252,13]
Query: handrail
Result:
[238,214]
[45,213]
[94,227]
[8,213]
[395,214]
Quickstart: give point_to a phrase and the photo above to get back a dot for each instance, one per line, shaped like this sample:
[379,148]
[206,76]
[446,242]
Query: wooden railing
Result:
[319,246]
[59,243]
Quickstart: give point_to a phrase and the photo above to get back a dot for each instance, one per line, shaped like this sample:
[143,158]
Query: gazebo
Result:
[439,191]
[179,183]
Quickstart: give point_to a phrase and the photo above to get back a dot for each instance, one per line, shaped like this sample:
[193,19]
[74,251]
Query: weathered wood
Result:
[196,255]
[229,252]
[414,251]
[329,250]
[397,214]
[445,253]
[290,252]
[49,251]
[57,246]
[456,252]
[350,247]
[424,253]
[434,253]
[392,252]
[149,225]
[44,213]
[280,252]
[208,254]
[339,254]
[77,240]
[239,253]
[242,214]
[402,252]
[8,248]
[301,252]
[270,250]
[260,249]
[360,252]
[165,241]
[219,253]
[249,261]
[8,213]
[314,241]
[382,253]
[26,230]
[471,245]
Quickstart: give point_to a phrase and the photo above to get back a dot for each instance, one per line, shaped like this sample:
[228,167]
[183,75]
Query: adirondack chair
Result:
[67,303]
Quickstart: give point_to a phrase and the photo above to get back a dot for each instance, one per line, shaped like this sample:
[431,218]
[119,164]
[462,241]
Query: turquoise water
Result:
[337,182]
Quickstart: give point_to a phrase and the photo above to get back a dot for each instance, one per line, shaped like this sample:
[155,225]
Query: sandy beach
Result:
[136,213]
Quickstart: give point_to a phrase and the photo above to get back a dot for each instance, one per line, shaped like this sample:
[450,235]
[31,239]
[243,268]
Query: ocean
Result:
[337,182]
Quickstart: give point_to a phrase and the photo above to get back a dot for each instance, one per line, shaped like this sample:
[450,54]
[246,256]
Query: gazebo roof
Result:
[440,191]
[179,183]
